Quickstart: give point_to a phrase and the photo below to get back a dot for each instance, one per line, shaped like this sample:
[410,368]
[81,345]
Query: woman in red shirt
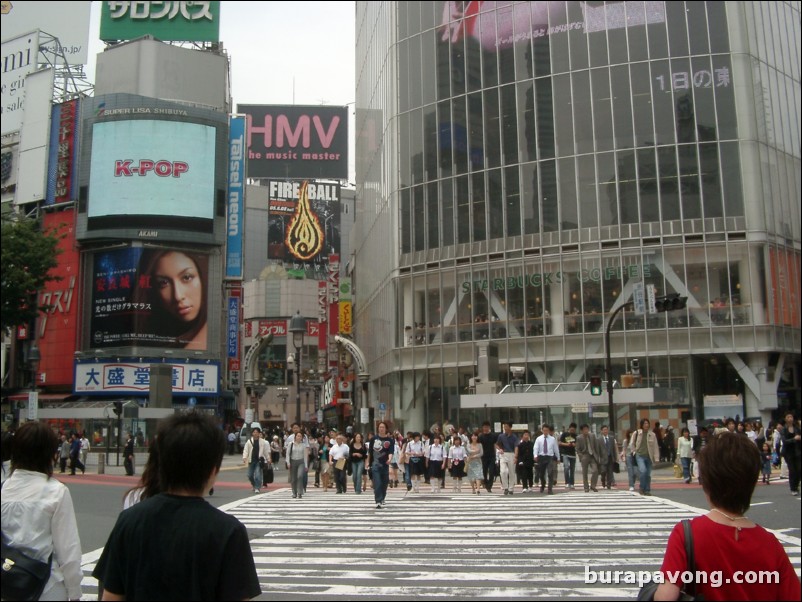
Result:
[735,558]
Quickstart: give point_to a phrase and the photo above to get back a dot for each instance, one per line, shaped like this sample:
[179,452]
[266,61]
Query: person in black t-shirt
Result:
[380,454]
[487,439]
[175,545]
[568,454]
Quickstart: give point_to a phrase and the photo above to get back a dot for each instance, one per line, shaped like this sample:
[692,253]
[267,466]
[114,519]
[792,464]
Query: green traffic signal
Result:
[595,385]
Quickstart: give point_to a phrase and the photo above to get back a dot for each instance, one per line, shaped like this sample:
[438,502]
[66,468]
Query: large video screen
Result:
[152,167]
[150,297]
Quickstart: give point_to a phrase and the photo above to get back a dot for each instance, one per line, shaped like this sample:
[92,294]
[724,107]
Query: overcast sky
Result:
[281,51]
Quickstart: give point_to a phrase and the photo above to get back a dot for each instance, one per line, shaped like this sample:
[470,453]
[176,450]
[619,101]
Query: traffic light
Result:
[118,407]
[670,302]
[595,385]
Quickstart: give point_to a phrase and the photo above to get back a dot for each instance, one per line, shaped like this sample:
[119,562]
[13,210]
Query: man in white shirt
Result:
[84,448]
[547,451]
[256,455]
[338,456]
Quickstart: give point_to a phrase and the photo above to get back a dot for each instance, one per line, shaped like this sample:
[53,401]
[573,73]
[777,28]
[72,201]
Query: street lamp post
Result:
[297,329]
[609,366]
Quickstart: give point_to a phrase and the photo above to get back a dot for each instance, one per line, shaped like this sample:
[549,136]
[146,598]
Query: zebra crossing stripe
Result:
[453,545]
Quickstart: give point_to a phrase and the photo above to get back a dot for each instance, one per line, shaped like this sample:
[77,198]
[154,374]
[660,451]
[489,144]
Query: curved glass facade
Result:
[546,159]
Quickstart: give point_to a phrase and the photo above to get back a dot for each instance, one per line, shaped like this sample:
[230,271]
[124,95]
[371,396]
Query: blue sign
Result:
[382,407]
[233,327]
[235,201]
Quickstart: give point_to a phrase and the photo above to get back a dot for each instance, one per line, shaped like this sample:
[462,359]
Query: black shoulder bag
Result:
[24,578]
[688,592]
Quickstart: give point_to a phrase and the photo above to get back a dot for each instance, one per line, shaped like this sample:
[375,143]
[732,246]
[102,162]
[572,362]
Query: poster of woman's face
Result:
[150,297]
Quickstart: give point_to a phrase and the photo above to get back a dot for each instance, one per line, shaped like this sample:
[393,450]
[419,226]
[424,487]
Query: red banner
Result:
[57,328]
[334,307]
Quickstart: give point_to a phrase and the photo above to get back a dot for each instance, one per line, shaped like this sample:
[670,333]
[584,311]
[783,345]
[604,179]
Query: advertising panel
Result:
[235,213]
[152,167]
[67,22]
[19,58]
[34,137]
[786,269]
[297,141]
[154,297]
[303,225]
[62,180]
[57,327]
[132,376]
[168,21]
[232,326]
[497,26]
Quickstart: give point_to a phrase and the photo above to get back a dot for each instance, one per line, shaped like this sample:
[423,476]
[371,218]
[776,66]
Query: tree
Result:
[28,255]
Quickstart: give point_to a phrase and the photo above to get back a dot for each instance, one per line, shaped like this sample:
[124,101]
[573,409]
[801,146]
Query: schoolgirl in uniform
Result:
[456,462]
[415,461]
[435,461]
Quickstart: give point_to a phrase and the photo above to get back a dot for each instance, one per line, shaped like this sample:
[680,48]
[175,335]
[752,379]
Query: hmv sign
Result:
[296,141]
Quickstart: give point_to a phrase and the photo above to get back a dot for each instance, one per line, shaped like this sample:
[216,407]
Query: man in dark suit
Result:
[128,454]
[589,453]
[609,457]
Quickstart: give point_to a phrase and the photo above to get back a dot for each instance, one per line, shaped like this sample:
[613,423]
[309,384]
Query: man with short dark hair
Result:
[568,454]
[609,456]
[506,444]
[128,453]
[487,439]
[175,545]
[546,454]
[256,455]
[588,452]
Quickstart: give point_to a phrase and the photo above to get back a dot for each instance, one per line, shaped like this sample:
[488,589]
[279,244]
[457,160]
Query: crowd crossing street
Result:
[463,546]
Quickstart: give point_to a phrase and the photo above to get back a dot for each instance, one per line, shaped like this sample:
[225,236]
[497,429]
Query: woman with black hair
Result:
[171,298]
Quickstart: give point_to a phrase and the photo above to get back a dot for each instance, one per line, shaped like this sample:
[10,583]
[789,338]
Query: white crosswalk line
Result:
[452,545]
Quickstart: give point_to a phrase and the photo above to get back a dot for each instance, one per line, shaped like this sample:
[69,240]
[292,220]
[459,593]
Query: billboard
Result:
[303,225]
[57,327]
[34,137]
[19,58]
[235,210]
[296,141]
[166,21]
[150,297]
[152,167]
[132,376]
[62,176]
[498,25]
[68,22]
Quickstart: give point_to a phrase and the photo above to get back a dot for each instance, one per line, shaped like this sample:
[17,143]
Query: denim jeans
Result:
[632,470]
[686,468]
[255,475]
[569,465]
[645,469]
[357,468]
[381,478]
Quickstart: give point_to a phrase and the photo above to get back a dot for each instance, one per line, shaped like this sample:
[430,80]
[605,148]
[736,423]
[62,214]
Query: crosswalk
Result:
[454,545]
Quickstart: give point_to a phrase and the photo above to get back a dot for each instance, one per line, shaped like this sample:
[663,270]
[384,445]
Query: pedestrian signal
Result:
[595,385]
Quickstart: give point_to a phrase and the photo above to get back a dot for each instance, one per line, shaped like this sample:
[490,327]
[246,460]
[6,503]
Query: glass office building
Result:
[524,167]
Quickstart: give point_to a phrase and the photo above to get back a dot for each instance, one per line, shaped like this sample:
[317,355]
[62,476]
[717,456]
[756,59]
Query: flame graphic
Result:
[304,236]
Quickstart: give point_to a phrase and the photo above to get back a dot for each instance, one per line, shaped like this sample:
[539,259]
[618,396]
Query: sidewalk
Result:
[140,458]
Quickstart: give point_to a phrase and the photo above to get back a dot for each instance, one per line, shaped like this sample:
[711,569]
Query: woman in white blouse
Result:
[435,460]
[37,512]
